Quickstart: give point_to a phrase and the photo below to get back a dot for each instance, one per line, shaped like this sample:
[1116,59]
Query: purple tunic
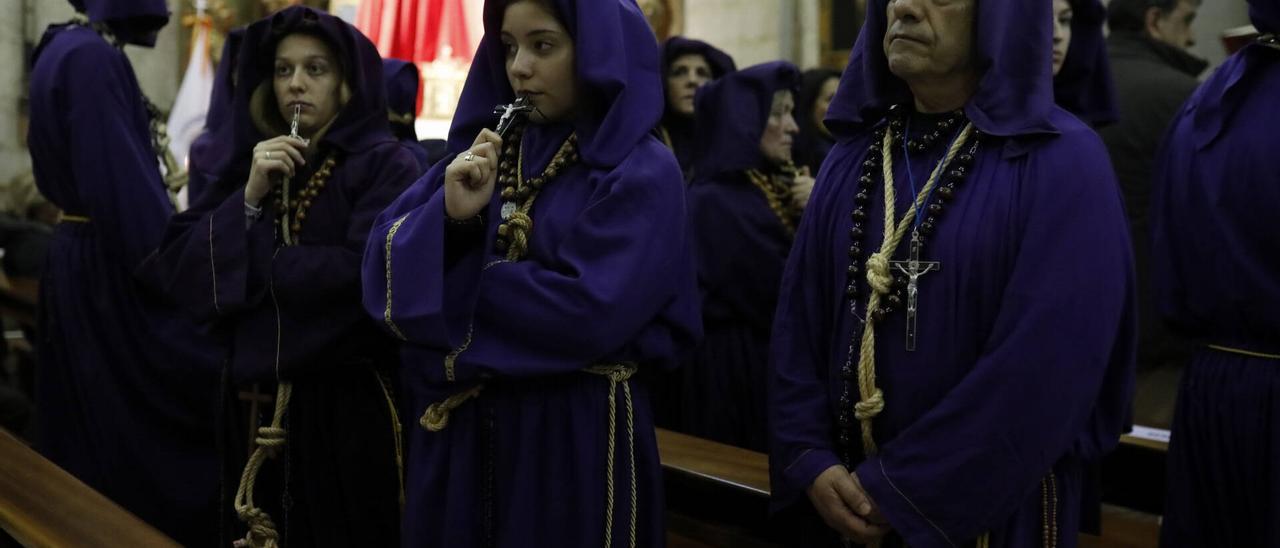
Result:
[740,244]
[608,280]
[126,390]
[1023,370]
[293,312]
[1216,259]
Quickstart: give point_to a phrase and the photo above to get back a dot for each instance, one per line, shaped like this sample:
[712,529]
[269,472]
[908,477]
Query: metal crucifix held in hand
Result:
[508,113]
[913,268]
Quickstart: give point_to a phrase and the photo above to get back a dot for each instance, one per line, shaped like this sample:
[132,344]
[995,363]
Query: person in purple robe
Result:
[687,65]
[744,206]
[1082,83]
[530,275]
[402,80]
[954,339]
[211,151]
[125,390]
[269,258]
[1216,264]
[813,143]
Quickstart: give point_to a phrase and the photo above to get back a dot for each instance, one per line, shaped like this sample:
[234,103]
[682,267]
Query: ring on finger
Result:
[268,155]
[470,156]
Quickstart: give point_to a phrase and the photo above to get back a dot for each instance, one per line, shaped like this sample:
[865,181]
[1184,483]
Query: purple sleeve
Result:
[801,444]
[620,265]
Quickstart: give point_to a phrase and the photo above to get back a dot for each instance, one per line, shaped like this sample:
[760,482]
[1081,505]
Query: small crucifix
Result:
[913,267]
[508,114]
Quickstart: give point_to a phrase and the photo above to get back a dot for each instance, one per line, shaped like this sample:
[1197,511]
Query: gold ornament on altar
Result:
[220,18]
[666,17]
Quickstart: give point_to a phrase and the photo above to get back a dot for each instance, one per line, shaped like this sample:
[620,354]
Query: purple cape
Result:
[1024,370]
[293,312]
[741,246]
[125,389]
[1084,87]
[608,279]
[1216,259]
[680,129]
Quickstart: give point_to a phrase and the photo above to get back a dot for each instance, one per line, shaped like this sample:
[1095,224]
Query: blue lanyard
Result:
[911,180]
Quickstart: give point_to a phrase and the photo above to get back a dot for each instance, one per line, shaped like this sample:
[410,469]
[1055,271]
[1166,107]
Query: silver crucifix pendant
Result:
[913,268]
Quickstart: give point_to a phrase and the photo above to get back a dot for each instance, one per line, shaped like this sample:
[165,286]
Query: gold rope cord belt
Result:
[1241,352]
[436,418]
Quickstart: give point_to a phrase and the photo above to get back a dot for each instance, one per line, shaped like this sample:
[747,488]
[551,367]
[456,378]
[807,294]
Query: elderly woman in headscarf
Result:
[744,210]
[687,65]
[530,276]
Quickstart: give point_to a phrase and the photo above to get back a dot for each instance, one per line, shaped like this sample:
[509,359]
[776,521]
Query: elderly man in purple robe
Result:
[1216,264]
[125,391]
[954,337]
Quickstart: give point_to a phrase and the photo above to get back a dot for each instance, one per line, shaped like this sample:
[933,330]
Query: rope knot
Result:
[520,224]
[871,407]
[271,438]
[616,373]
[262,531]
[436,418]
[878,274]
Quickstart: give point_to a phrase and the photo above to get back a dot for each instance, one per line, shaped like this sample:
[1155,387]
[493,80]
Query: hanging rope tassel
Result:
[619,374]
[270,441]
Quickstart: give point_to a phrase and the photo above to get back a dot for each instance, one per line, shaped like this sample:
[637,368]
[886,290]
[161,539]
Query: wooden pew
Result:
[43,505]
[717,496]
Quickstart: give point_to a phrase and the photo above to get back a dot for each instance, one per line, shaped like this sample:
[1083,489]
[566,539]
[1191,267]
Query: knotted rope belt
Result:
[436,418]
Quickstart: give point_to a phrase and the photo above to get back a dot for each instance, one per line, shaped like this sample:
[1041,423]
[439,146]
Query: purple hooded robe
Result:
[1023,369]
[608,279]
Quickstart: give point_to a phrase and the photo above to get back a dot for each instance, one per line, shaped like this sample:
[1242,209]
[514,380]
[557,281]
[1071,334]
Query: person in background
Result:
[686,66]
[817,87]
[1215,263]
[744,205]
[402,80]
[1082,83]
[126,388]
[1154,74]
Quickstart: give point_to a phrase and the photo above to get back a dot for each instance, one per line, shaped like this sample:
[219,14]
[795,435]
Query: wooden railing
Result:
[43,505]
[720,476]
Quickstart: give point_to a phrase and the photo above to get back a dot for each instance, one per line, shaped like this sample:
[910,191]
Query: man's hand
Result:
[845,506]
